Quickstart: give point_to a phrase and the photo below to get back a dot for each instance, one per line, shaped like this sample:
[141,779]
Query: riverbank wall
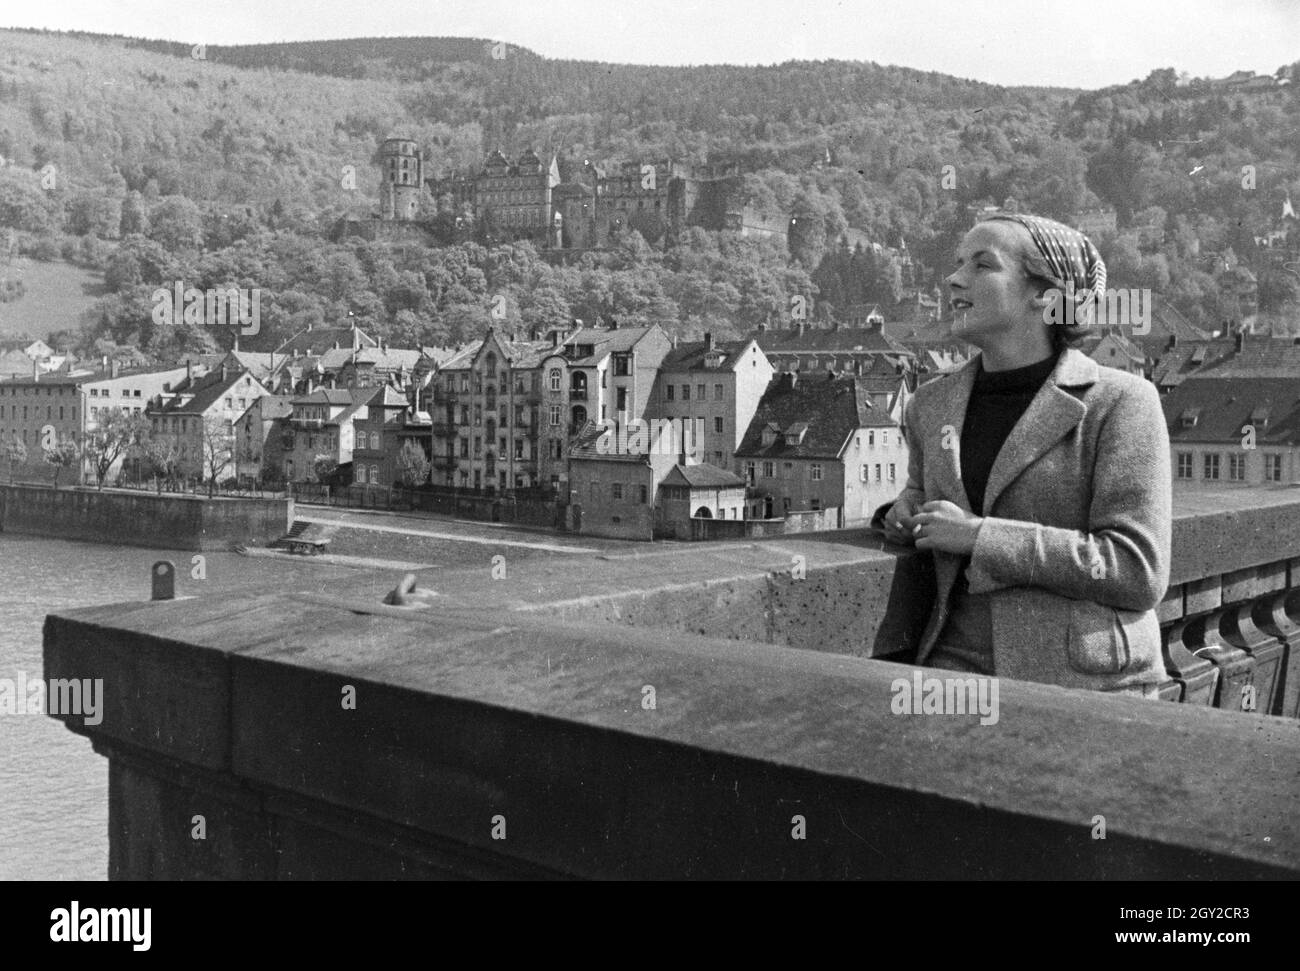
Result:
[143,519]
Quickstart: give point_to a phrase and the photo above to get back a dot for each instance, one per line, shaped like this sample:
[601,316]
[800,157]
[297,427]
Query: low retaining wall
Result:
[143,518]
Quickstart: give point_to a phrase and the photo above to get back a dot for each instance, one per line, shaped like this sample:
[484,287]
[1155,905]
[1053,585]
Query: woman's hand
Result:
[899,521]
[943,525]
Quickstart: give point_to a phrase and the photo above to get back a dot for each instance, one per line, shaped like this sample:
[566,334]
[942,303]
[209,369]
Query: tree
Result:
[114,433]
[163,457]
[176,224]
[325,467]
[15,453]
[61,455]
[413,463]
[218,447]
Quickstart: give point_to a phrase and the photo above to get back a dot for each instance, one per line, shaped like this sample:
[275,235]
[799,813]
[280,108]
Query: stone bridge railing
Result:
[644,715]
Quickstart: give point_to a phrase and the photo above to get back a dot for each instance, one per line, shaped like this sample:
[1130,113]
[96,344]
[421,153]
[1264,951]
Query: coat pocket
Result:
[1096,642]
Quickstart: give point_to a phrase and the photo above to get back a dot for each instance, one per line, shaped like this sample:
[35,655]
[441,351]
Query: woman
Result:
[1039,480]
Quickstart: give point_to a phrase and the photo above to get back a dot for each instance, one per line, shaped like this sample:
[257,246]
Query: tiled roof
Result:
[393,358]
[690,356]
[320,339]
[788,340]
[336,396]
[272,406]
[1175,364]
[206,391]
[832,410]
[463,358]
[605,341]
[1222,405]
[1259,357]
[702,476]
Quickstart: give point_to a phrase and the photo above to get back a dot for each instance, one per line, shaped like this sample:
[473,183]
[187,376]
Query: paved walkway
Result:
[337,520]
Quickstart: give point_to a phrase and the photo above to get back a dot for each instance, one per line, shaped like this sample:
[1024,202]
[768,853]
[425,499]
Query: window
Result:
[361,474]
[374,441]
[1184,465]
[884,437]
[478,446]
[644,493]
[686,392]
[478,416]
[1211,465]
[877,471]
[374,474]
[718,393]
[891,471]
[617,490]
[865,475]
[769,470]
[815,471]
[555,379]
[787,470]
[464,448]
[229,402]
[519,448]
[621,369]
[622,400]
[668,392]
[1236,467]
[699,392]
[749,472]
[871,437]
[1273,467]
[717,425]
[555,415]
[785,504]
[814,504]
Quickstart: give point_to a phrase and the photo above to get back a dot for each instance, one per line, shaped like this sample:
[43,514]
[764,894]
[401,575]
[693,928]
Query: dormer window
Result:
[1259,417]
[1189,417]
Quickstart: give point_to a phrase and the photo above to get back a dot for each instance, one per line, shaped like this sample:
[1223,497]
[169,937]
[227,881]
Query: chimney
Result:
[189,373]
[1240,341]
[114,366]
[36,374]
[708,341]
[762,328]
[674,341]
[555,337]
[1173,342]
[794,379]
[223,371]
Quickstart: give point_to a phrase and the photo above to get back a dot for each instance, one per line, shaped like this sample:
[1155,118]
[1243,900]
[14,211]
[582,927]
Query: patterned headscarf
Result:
[1076,266]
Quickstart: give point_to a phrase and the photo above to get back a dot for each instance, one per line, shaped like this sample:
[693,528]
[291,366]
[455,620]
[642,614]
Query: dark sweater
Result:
[997,401]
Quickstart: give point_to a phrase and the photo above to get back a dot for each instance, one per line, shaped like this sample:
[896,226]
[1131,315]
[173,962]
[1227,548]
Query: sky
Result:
[1078,44]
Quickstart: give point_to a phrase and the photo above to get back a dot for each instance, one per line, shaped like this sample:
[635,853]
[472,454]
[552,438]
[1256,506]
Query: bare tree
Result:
[218,448]
[115,432]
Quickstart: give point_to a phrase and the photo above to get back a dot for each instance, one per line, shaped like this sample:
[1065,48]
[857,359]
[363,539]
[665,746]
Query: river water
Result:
[53,787]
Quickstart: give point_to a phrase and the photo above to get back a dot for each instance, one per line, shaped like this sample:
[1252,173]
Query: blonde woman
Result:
[1037,479]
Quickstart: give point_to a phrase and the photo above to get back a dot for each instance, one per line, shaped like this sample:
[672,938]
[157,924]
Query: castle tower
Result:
[401,179]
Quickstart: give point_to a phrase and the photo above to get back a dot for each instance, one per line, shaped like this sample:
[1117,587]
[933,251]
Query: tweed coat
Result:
[1076,533]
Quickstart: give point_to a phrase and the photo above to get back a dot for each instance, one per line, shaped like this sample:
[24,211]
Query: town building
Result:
[701,491]
[196,417]
[70,406]
[379,437]
[715,389]
[322,425]
[259,438]
[1234,429]
[824,442]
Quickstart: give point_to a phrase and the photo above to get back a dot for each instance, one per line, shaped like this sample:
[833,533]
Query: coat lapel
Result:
[1051,416]
[953,415]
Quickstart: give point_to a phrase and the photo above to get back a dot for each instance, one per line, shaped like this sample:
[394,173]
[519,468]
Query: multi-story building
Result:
[1240,430]
[322,424]
[715,389]
[379,437]
[197,417]
[509,201]
[822,443]
[486,416]
[259,436]
[70,405]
